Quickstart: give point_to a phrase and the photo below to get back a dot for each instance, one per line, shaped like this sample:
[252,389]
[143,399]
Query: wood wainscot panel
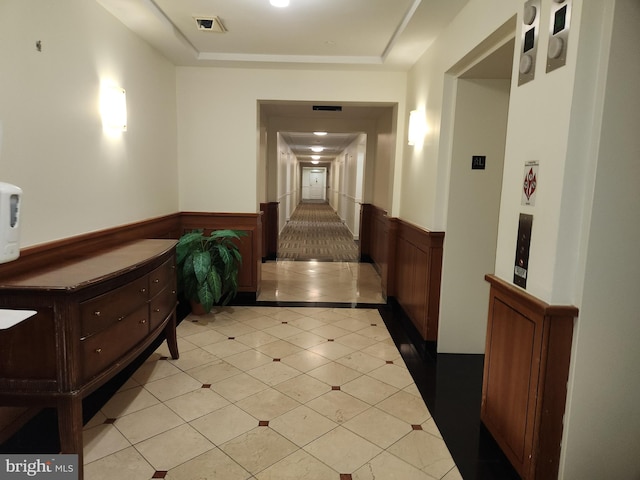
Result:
[270,217]
[526,369]
[250,246]
[52,253]
[418,271]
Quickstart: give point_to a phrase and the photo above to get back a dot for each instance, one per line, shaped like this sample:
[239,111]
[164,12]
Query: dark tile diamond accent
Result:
[389,362]
[232,338]
[263,423]
[285,323]
[206,385]
[335,387]
[345,476]
[276,359]
[416,427]
[160,474]
[374,324]
[330,340]
[109,421]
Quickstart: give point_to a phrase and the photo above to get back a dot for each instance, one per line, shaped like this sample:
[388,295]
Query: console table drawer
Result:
[161,276]
[162,305]
[100,312]
[101,350]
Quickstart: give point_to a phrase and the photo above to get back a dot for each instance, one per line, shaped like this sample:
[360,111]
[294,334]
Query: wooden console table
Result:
[95,314]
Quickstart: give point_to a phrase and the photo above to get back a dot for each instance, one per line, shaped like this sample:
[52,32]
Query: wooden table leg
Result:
[70,427]
[170,334]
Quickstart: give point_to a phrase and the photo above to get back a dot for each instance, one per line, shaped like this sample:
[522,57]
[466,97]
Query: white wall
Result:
[75,178]
[217,110]
[472,216]
[602,431]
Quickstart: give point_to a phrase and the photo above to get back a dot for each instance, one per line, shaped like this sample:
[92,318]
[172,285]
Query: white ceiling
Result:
[385,34]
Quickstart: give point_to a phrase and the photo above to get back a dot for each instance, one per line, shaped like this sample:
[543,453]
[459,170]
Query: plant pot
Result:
[197,308]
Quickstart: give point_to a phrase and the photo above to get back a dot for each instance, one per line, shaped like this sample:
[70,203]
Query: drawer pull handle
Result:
[98,350]
[120,319]
[97,313]
[143,321]
[157,280]
[156,310]
[173,292]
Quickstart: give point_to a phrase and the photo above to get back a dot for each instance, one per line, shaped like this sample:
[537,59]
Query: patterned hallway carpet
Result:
[315,232]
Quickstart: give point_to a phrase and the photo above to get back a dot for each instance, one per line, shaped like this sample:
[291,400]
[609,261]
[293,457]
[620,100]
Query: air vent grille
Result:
[327,108]
[209,24]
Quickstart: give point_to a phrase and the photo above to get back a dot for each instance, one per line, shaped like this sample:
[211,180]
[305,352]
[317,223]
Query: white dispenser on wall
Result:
[10,198]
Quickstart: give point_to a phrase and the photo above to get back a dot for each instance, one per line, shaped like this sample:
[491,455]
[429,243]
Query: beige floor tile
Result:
[361,362]
[356,341]
[192,358]
[173,386]
[334,374]
[332,449]
[256,338]
[274,373]
[303,388]
[214,372]
[206,337]
[224,424]
[383,350]
[128,463]
[406,407]
[102,441]
[453,474]
[143,424]
[196,404]
[212,465]
[174,447]
[238,387]
[284,314]
[129,401]
[302,425]
[234,329]
[308,322]
[368,389]
[154,370]
[378,427]
[248,359]
[306,339]
[305,360]
[352,324]
[279,349]
[330,331]
[260,322]
[298,466]
[267,404]
[338,406]
[431,427]
[388,467]
[425,452]
[379,332]
[258,449]
[394,375]
[130,383]
[226,348]
[97,419]
[283,331]
[331,350]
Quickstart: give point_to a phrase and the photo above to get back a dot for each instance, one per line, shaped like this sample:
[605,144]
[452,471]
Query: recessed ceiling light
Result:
[280,3]
[315,162]
[317,149]
[320,134]
[315,157]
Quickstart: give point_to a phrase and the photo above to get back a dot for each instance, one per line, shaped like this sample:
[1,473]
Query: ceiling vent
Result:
[327,108]
[209,24]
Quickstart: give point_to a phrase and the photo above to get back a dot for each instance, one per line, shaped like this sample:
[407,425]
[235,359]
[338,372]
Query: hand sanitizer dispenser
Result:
[10,197]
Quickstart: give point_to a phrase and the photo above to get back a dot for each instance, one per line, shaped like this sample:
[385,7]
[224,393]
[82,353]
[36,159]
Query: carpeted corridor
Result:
[315,232]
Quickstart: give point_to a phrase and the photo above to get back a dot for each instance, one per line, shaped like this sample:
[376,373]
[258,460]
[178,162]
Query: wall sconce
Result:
[417,127]
[113,108]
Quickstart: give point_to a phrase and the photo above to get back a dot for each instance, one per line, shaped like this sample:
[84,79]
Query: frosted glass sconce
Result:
[113,108]
[417,127]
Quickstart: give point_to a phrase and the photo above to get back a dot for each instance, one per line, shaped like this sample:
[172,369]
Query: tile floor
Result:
[274,393]
[313,281]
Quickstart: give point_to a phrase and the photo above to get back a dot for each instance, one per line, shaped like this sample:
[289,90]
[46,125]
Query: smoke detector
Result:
[209,24]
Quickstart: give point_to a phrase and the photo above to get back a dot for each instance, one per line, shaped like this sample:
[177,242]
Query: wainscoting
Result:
[409,260]
[169,226]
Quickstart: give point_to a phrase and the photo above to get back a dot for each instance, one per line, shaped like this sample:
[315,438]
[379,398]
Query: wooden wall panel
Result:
[250,246]
[269,230]
[525,377]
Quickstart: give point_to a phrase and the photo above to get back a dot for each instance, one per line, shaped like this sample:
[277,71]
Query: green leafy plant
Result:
[208,266]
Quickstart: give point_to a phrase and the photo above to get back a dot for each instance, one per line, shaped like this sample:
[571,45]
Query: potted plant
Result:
[208,267]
